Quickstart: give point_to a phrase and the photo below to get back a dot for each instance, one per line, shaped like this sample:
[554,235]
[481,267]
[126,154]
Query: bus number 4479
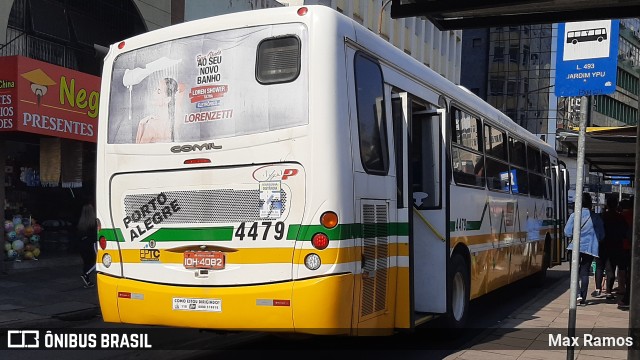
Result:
[255,229]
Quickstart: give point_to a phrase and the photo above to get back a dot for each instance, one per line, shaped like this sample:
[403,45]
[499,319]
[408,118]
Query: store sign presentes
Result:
[42,98]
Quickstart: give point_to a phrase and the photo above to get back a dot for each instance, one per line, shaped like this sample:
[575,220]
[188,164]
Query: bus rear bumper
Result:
[315,306]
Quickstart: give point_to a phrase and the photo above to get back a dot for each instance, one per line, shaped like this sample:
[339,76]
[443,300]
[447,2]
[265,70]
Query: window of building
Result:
[525,55]
[514,53]
[496,85]
[498,54]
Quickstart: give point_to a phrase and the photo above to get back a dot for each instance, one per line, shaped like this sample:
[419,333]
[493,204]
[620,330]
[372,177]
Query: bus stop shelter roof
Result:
[465,14]
[608,150]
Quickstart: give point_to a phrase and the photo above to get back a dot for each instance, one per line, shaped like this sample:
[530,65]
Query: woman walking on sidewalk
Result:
[87,232]
[591,231]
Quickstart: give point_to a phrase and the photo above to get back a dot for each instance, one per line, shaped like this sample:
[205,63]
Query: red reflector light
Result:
[103,242]
[302,11]
[197,161]
[281,302]
[320,241]
[124,295]
[121,45]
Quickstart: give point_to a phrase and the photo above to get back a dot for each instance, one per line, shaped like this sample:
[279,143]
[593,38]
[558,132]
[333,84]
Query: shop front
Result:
[48,125]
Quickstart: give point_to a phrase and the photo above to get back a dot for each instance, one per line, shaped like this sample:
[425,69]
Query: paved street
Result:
[49,294]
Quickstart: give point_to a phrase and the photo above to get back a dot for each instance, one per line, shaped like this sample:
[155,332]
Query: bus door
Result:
[374,196]
[557,230]
[563,213]
[426,179]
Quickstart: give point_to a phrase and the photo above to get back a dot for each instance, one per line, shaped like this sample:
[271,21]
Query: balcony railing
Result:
[19,43]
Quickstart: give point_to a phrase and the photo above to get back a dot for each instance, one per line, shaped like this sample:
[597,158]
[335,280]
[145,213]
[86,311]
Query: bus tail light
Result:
[312,261]
[329,219]
[320,241]
[103,242]
[303,11]
[106,260]
[197,161]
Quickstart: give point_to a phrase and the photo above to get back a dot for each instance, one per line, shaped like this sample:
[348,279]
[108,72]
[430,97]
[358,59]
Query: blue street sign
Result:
[587,58]
[621,182]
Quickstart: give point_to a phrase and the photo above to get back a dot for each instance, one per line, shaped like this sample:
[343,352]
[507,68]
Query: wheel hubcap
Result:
[457,304]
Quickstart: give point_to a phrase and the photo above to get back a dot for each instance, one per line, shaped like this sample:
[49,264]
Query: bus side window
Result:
[518,160]
[536,180]
[497,172]
[426,143]
[466,149]
[372,122]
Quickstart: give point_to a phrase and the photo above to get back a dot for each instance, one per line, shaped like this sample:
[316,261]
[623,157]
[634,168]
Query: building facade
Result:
[513,68]
[49,167]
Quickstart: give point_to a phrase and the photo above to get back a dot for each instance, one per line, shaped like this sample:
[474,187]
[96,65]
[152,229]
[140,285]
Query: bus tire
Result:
[541,276]
[459,284]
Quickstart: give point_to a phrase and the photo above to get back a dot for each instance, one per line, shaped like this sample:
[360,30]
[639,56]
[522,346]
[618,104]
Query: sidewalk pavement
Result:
[45,293]
[525,334]
[50,293]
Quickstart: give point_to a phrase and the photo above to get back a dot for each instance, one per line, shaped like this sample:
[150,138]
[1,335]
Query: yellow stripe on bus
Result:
[286,255]
[258,255]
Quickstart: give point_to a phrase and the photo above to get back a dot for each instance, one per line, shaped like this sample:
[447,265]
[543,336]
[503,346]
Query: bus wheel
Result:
[574,41]
[600,38]
[459,283]
[541,276]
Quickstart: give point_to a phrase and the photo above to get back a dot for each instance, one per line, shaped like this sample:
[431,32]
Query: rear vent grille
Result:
[375,225]
[209,206]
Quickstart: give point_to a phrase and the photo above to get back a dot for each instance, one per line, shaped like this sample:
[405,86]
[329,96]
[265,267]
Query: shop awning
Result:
[608,150]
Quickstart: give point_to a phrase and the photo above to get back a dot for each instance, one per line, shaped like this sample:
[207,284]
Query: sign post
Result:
[586,65]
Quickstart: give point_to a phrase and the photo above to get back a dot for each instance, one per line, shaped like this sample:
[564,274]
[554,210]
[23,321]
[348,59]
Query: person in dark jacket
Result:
[591,232]
[87,233]
[624,281]
[615,230]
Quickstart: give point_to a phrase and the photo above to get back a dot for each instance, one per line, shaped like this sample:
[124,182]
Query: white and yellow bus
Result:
[288,170]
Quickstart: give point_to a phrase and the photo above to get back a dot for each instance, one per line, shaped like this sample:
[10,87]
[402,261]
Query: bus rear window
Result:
[210,86]
[278,60]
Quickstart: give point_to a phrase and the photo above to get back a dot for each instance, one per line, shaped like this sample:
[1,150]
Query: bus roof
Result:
[372,42]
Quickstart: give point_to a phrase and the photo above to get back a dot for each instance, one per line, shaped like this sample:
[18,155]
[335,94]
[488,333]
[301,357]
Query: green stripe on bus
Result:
[295,232]
[470,225]
[348,231]
[223,233]
[111,235]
